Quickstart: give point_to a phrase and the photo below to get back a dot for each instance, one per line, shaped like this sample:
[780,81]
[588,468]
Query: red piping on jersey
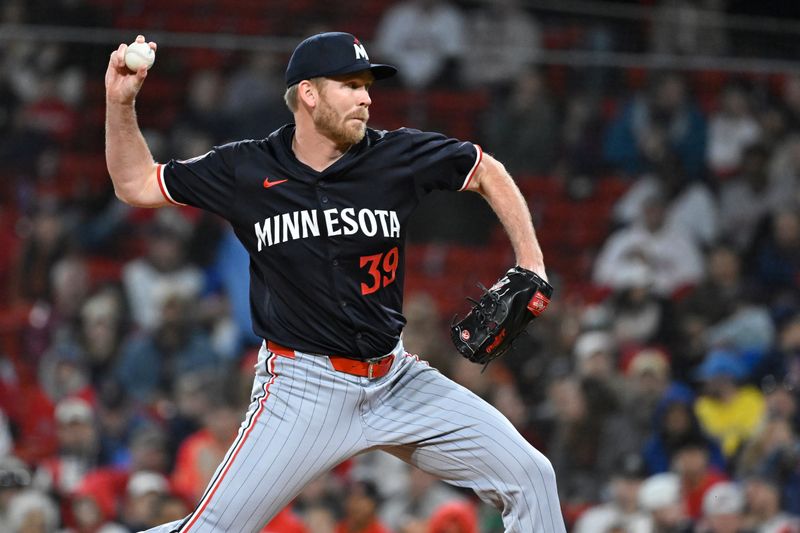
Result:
[474,168]
[163,186]
[229,461]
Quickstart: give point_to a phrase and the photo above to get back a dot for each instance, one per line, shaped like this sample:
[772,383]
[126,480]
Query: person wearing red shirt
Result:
[696,476]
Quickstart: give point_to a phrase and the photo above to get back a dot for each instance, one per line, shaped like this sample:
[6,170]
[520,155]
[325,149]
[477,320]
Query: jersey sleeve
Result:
[441,162]
[207,181]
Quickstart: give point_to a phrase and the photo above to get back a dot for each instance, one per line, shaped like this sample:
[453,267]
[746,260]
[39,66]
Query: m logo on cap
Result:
[361,52]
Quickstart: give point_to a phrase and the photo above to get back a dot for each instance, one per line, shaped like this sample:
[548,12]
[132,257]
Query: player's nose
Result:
[363,97]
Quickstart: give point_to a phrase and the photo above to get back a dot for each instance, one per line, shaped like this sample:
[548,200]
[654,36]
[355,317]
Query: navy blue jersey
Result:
[326,248]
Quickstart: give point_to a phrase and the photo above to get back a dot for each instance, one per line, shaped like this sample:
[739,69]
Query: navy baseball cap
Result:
[331,54]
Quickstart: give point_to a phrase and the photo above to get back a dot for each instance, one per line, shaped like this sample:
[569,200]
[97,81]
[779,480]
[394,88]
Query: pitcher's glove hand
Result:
[502,313]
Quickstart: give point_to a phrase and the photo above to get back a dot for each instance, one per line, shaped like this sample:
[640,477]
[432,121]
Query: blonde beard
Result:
[330,124]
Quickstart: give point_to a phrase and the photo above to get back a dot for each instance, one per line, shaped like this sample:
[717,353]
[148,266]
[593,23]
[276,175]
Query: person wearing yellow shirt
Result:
[728,411]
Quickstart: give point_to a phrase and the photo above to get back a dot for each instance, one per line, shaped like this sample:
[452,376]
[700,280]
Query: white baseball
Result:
[139,55]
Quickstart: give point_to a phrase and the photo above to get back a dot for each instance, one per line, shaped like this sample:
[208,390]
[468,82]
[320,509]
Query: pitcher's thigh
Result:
[448,431]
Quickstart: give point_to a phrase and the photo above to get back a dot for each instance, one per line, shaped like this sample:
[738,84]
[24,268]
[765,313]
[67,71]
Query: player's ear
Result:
[308,93]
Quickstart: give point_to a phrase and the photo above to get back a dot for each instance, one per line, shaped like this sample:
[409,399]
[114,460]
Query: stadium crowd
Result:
[663,382]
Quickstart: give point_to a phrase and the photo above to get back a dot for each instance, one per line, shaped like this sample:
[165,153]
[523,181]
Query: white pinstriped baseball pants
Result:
[306,417]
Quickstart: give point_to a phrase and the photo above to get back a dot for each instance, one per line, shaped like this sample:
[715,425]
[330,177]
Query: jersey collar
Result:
[285,135]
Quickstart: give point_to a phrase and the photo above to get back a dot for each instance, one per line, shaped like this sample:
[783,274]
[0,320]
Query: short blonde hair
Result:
[290,96]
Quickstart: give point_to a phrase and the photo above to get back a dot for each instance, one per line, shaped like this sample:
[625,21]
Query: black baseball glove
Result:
[502,313]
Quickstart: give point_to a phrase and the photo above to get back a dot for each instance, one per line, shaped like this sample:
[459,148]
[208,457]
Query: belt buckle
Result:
[371,364]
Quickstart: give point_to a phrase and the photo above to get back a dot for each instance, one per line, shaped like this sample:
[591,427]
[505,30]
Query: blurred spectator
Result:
[118,421]
[782,402]
[101,333]
[690,207]
[784,171]
[78,452]
[764,513]
[45,242]
[723,509]
[192,397]
[595,354]
[140,508]
[774,124]
[719,293]
[94,508]
[660,495]
[663,254]
[14,478]
[647,378]
[748,330]
[777,258]
[731,129]
[674,425]
[689,27]
[151,362]
[770,439]
[424,38]
[523,130]
[199,455]
[170,508]
[361,510]
[697,476]
[454,517]
[32,511]
[622,508]
[582,448]
[639,316]
[54,322]
[148,448]
[747,198]
[63,374]
[29,412]
[728,411]
[423,495]
[581,152]
[503,39]
[647,127]
[164,271]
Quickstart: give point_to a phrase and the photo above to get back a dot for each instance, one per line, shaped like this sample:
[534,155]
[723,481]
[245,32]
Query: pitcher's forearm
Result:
[510,207]
[130,163]
[498,188]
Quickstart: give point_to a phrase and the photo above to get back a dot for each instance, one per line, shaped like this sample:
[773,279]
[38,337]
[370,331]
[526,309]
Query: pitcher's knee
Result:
[538,471]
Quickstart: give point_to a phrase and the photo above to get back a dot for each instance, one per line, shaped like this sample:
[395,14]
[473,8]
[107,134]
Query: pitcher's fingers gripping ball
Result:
[502,313]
